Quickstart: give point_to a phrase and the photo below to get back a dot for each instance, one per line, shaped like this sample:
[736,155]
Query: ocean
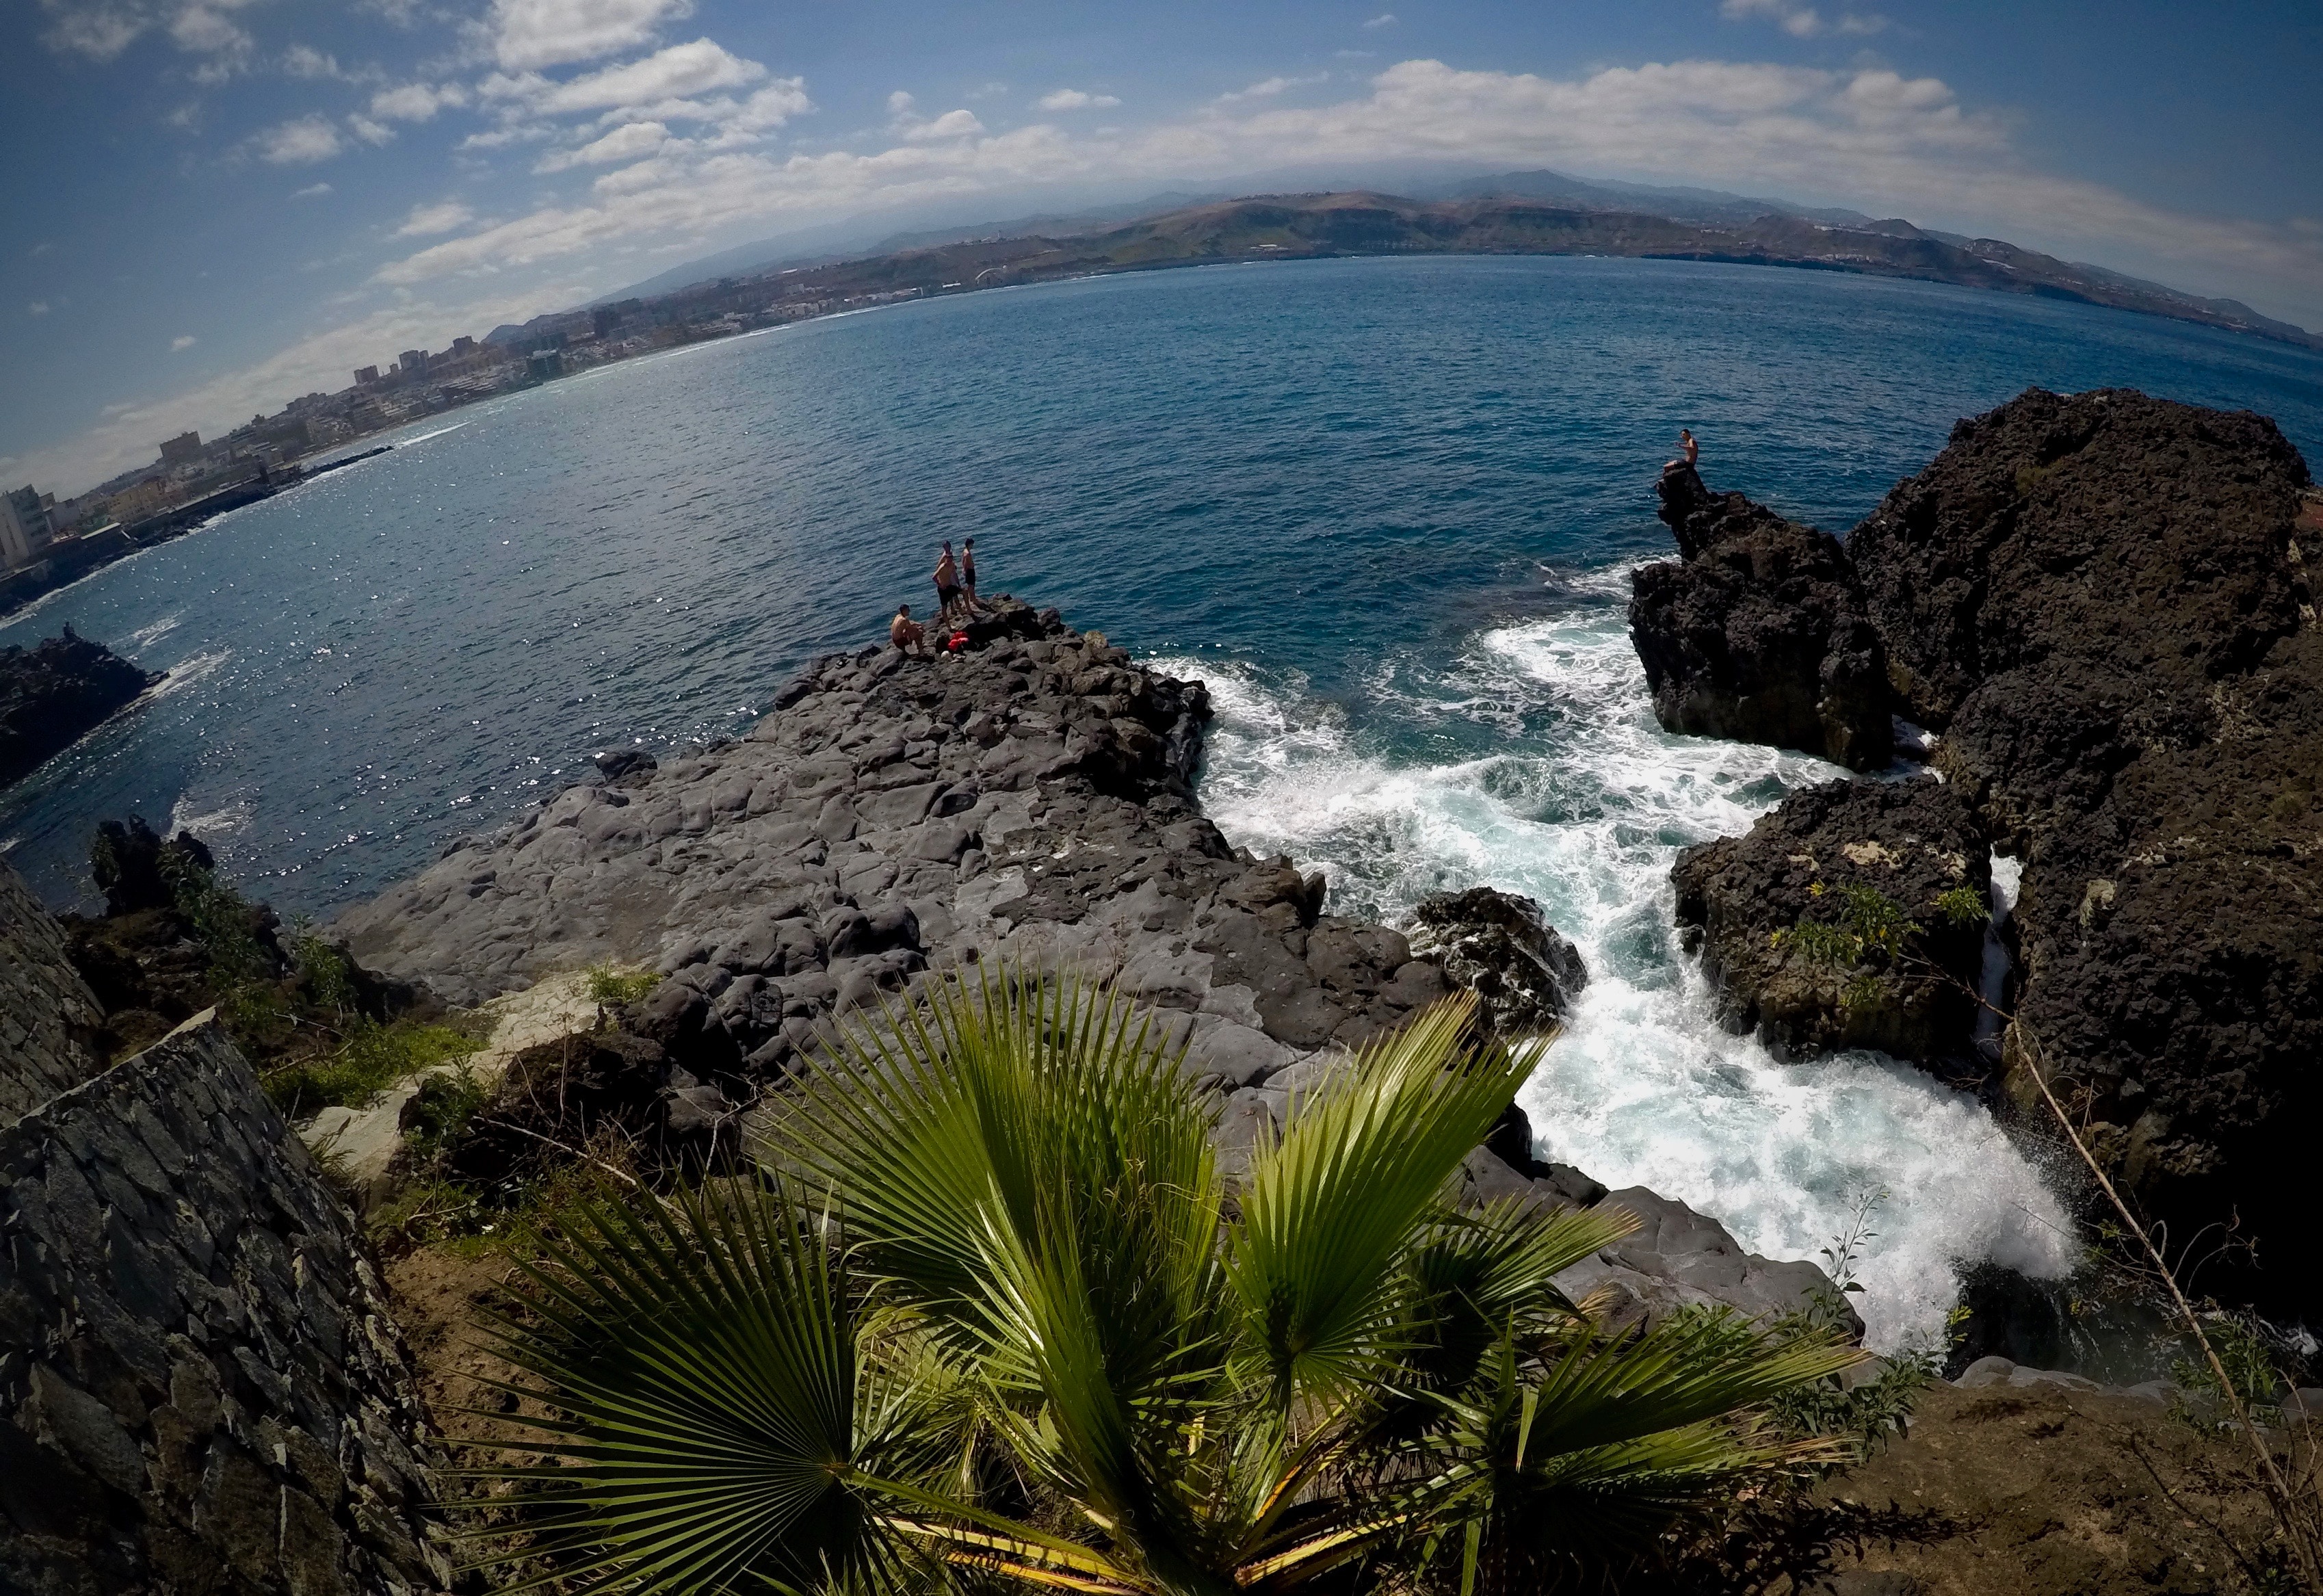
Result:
[1385,508]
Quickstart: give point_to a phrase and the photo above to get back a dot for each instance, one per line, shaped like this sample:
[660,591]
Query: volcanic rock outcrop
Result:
[52,693]
[1497,945]
[1910,843]
[2106,601]
[1758,632]
[1026,800]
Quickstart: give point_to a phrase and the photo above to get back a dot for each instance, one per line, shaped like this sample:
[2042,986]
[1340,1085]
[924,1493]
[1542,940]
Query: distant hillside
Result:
[1294,226]
[1560,215]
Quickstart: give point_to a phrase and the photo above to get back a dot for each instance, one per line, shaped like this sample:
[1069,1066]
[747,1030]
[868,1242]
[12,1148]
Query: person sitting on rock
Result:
[947,586]
[968,575]
[1689,451]
[906,634]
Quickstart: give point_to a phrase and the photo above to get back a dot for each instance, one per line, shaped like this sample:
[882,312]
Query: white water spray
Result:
[1585,812]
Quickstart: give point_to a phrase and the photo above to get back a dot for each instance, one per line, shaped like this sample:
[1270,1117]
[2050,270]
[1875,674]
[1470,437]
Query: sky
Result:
[215,206]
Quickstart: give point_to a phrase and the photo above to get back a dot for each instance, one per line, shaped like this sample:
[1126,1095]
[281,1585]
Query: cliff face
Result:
[200,1388]
[2106,600]
[2104,603]
[52,694]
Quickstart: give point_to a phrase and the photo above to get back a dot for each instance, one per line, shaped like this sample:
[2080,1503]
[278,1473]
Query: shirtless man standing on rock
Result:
[906,634]
[947,586]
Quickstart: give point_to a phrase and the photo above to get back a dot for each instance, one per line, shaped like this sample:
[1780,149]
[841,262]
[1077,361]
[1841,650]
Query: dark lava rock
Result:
[1497,945]
[627,767]
[598,1093]
[2106,599]
[1910,842]
[52,694]
[1758,632]
[2145,538]
[136,869]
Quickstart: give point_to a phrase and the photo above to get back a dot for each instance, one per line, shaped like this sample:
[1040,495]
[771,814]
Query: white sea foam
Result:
[187,673]
[223,820]
[423,437]
[1585,810]
[145,636]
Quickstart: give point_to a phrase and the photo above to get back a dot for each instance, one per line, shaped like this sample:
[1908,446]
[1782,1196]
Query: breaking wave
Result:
[1580,801]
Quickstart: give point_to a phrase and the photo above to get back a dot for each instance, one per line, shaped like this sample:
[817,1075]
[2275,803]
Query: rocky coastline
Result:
[1026,800]
[2102,607]
[54,694]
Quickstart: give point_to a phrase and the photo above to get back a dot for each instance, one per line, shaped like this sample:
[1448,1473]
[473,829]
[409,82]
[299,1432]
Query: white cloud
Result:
[986,91]
[676,73]
[426,219]
[201,30]
[632,141]
[911,126]
[527,35]
[184,341]
[304,60]
[299,142]
[416,102]
[37,307]
[951,124]
[1268,88]
[1798,19]
[100,33]
[368,131]
[312,191]
[1383,20]
[1076,99]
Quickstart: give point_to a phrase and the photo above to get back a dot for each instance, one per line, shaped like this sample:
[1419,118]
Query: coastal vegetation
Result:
[995,1309]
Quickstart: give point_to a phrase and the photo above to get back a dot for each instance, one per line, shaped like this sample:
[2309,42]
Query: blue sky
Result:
[218,205]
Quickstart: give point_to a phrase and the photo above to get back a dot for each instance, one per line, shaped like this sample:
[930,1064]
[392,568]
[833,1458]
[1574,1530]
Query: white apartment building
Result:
[23,527]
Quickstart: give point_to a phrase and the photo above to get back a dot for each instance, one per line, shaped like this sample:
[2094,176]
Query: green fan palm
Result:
[995,1314]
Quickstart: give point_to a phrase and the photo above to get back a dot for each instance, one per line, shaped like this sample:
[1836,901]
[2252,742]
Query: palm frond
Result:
[1330,1211]
[697,1357]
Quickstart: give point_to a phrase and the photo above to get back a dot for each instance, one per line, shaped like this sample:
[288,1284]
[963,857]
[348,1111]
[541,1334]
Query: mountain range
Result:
[1514,213]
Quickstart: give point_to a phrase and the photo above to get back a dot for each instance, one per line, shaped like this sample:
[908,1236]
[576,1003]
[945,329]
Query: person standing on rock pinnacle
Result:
[968,575]
[947,586]
[906,634]
[1689,451]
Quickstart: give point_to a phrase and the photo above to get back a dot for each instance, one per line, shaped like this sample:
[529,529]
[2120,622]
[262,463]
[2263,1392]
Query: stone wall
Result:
[45,1006]
[200,1388]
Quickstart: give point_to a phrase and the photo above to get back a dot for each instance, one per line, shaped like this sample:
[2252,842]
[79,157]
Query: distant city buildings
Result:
[25,526]
[190,472]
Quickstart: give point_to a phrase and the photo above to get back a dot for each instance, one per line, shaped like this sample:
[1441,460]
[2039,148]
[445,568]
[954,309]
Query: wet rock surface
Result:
[1759,633]
[52,693]
[1497,945]
[2108,601]
[1739,898]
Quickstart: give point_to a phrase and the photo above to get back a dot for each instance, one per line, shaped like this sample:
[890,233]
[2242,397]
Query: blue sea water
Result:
[1385,507]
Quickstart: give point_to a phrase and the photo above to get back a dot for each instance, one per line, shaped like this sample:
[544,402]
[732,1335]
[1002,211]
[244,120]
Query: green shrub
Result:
[369,1059]
[610,985]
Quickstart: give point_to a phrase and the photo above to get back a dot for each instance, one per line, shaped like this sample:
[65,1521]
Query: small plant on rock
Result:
[611,986]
